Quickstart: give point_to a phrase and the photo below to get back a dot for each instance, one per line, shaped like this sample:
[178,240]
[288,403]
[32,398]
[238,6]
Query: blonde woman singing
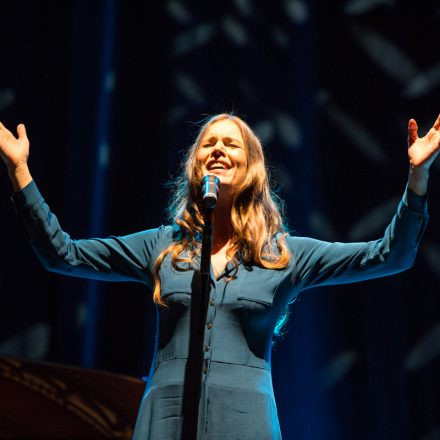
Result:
[257,269]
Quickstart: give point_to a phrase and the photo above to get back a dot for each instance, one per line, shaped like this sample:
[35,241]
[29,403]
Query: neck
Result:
[222,232]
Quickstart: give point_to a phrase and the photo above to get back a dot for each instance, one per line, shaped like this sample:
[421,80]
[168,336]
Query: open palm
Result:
[422,151]
[14,151]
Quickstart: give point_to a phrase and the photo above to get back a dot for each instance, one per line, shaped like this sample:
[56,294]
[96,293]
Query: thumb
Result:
[21,130]
[412,131]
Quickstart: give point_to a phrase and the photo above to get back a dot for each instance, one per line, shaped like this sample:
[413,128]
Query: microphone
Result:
[210,184]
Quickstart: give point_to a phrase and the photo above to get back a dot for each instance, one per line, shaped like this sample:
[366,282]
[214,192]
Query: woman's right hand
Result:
[13,151]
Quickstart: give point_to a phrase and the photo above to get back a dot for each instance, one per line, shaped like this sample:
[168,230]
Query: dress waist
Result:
[218,373]
[243,357]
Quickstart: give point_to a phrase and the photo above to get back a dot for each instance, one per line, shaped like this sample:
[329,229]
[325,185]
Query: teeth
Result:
[217,166]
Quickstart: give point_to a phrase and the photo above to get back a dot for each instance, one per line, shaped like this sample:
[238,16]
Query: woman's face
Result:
[222,153]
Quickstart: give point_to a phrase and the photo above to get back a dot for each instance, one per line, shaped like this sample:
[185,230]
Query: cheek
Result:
[201,156]
[240,158]
[199,160]
[243,162]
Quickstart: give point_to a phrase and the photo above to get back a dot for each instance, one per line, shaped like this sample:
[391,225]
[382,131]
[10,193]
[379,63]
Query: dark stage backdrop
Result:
[110,91]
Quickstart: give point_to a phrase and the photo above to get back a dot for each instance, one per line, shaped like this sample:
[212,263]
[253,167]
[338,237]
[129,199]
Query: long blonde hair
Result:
[255,215]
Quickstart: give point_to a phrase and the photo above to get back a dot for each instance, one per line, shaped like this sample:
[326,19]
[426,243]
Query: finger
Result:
[431,133]
[436,141]
[437,123]
[412,131]
[21,131]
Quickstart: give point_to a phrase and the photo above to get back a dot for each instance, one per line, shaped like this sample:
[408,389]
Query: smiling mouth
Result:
[217,166]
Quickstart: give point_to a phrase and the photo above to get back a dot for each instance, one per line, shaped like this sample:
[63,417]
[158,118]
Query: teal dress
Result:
[237,400]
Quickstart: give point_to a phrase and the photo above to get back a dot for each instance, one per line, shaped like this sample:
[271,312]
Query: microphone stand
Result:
[199,305]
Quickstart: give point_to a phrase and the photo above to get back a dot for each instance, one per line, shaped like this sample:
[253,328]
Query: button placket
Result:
[210,314]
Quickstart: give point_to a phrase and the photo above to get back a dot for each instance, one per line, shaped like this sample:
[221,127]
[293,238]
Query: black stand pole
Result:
[194,365]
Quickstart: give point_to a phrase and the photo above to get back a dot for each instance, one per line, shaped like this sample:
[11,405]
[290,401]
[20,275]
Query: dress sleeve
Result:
[318,263]
[124,258]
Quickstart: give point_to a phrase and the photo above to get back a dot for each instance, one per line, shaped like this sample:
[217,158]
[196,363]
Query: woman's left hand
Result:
[423,151]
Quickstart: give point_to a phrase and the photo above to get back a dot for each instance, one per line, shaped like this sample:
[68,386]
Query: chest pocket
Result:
[177,300]
[252,304]
[176,286]
[257,289]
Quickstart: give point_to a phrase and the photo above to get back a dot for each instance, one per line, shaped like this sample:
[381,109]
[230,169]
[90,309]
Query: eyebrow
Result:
[226,139]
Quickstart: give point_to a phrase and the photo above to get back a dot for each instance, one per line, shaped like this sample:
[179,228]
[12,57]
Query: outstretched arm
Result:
[318,263]
[127,258]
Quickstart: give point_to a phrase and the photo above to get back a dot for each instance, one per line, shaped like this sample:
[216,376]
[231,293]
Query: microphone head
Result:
[210,186]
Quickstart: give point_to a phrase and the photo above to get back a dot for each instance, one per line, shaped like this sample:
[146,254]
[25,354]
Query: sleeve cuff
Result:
[414,201]
[26,197]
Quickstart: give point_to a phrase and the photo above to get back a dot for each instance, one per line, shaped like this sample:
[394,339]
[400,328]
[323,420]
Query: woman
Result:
[257,269]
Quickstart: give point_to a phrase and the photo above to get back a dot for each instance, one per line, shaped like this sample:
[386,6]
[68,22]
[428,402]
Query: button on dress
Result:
[237,399]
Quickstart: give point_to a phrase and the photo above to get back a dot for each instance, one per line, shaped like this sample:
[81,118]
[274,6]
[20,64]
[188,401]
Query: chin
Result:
[224,178]
[221,175]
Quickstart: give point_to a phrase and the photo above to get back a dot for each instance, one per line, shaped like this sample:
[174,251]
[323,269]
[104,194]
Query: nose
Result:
[219,149]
